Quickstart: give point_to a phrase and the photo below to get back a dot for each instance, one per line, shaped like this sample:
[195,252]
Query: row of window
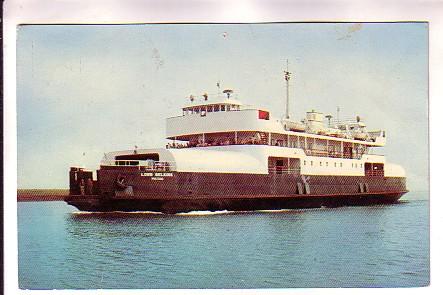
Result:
[209,109]
[354,165]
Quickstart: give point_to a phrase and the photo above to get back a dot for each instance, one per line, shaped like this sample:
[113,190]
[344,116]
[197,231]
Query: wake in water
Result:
[116,213]
[81,214]
[152,214]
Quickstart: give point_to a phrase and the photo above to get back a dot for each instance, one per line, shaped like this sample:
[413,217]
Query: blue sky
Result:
[92,89]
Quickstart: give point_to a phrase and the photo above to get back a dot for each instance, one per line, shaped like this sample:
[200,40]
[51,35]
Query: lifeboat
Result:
[294,126]
[333,132]
[360,135]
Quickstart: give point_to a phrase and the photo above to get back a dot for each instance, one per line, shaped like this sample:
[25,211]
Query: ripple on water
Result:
[380,246]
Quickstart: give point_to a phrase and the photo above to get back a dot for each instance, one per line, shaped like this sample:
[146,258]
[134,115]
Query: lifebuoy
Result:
[121,182]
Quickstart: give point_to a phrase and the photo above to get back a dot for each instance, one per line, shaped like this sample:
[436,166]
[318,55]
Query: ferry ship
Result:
[225,155]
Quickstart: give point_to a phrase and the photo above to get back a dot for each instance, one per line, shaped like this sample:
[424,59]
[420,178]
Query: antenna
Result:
[338,115]
[83,160]
[287,77]
[218,86]
[329,119]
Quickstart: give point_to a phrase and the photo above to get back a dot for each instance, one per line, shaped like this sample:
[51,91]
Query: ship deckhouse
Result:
[228,122]
[223,135]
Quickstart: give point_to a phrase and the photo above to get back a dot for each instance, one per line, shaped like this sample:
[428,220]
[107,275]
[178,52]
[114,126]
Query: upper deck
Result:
[228,122]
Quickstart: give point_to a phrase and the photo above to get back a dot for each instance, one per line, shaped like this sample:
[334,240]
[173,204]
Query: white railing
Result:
[375,134]
[347,120]
[281,170]
[146,165]
[375,173]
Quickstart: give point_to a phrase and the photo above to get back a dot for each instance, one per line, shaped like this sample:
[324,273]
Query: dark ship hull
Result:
[173,192]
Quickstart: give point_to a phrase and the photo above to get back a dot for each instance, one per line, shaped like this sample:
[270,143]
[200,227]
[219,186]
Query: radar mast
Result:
[287,77]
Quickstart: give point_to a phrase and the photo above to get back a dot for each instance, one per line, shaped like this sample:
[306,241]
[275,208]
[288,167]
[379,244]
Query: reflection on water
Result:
[379,246]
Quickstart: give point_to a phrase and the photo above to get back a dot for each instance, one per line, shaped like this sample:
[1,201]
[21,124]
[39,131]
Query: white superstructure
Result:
[225,136]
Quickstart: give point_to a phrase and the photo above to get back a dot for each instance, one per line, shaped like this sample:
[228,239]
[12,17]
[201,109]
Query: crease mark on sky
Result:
[159,62]
[351,30]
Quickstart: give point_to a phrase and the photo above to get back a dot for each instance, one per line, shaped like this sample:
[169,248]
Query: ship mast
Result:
[287,77]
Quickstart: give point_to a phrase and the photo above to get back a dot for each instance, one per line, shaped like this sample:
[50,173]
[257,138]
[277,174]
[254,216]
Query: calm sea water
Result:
[380,246]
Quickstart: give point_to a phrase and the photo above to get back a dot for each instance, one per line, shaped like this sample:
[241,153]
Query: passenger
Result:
[258,138]
[82,187]
[89,185]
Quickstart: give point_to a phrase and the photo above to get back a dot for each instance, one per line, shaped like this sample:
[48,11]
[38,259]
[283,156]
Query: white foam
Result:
[204,213]
[277,210]
[191,213]
[116,212]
